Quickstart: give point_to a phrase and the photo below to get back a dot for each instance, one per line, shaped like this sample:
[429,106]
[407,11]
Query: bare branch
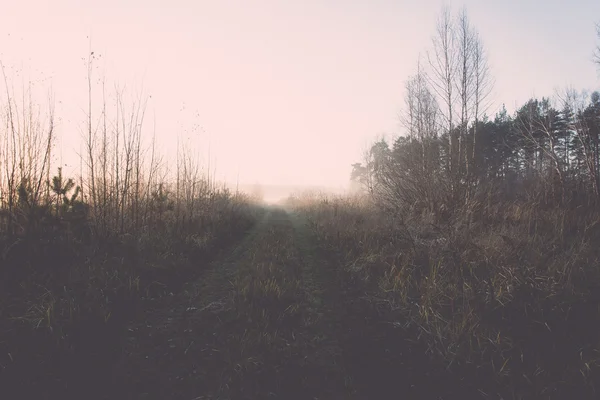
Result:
[443,65]
[597,52]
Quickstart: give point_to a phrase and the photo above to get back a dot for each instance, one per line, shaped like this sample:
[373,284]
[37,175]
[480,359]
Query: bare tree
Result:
[420,116]
[483,85]
[597,52]
[465,40]
[575,103]
[90,139]
[27,139]
[443,70]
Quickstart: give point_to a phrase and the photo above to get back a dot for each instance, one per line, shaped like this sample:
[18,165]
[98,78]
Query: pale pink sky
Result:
[284,91]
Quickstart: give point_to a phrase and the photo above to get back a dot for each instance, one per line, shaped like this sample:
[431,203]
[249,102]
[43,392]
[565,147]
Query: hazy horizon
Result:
[279,93]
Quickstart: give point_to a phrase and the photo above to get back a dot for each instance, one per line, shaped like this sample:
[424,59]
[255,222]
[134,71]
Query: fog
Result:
[279,93]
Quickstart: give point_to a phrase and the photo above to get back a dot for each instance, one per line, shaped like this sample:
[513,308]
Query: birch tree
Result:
[443,69]
[421,114]
[465,38]
[483,85]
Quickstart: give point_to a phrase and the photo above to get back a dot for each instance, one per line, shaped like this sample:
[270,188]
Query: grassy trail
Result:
[379,359]
[272,320]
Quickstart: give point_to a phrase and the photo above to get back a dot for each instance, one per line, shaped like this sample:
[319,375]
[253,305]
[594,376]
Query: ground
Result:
[273,319]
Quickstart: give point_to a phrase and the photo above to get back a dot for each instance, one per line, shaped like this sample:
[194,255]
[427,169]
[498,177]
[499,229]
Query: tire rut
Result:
[277,319]
[154,362]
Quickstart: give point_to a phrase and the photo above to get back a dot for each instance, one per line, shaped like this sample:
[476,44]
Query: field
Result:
[324,298]
[462,260]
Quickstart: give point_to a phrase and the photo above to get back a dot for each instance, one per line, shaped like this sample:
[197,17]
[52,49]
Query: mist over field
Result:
[310,200]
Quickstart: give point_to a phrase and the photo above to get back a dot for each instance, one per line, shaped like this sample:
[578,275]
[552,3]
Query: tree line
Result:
[453,153]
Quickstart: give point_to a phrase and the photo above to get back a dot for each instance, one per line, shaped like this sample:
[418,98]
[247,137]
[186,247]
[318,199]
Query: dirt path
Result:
[160,354]
[272,320]
[373,356]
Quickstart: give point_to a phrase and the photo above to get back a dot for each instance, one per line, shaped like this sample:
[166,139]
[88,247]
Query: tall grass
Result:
[506,294]
[82,255]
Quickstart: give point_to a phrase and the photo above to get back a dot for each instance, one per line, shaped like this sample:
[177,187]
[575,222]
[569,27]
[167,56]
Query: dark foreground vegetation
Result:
[68,292]
[466,266]
[506,301]
[80,259]
[478,238]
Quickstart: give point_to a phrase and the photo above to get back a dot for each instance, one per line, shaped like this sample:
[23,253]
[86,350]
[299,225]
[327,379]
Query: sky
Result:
[278,92]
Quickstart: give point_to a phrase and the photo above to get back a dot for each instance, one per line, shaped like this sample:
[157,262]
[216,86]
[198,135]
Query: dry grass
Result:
[66,299]
[66,294]
[80,257]
[256,323]
[507,294]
